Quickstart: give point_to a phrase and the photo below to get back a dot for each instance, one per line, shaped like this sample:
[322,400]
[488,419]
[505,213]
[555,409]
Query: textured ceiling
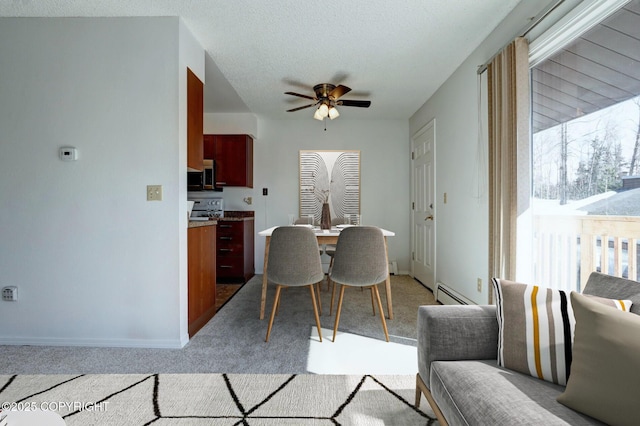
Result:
[394,53]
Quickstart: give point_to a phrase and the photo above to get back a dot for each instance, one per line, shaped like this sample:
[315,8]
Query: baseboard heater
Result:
[393,267]
[448,296]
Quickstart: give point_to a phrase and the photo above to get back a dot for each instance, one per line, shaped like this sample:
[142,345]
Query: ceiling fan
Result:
[327,97]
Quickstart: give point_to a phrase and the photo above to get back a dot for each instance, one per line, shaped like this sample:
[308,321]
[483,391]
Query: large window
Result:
[585,155]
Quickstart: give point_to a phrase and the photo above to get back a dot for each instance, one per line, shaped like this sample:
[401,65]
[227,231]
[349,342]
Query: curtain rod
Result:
[534,22]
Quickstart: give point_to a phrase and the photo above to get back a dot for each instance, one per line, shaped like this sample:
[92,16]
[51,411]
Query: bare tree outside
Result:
[586,156]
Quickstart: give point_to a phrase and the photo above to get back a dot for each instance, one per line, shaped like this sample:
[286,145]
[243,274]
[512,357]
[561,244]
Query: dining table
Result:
[324,236]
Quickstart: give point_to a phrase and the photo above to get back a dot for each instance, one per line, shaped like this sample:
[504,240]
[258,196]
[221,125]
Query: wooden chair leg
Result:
[333,295]
[315,310]
[373,305]
[384,323]
[335,327]
[273,312]
[329,273]
[277,305]
[317,286]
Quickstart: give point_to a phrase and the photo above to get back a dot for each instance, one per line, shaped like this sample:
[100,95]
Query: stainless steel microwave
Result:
[209,174]
[205,180]
[195,181]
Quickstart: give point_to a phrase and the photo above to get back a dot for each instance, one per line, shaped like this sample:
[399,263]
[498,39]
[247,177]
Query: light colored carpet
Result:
[233,341]
[215,399]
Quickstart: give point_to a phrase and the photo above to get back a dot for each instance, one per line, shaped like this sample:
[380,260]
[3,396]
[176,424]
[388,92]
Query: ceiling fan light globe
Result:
[317,115]
[333,113]
[323,110]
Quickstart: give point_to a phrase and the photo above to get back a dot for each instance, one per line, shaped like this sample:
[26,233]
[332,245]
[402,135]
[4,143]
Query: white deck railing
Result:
[568,248]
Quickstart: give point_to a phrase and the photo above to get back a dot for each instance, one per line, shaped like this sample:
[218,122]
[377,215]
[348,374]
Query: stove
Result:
[205,206]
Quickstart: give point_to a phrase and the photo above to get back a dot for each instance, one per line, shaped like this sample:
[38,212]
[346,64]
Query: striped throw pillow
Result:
[536,326]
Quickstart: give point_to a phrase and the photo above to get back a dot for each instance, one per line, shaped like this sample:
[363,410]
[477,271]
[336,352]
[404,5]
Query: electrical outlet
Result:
[154,192]
[479,285]
[265,191]
[10,293]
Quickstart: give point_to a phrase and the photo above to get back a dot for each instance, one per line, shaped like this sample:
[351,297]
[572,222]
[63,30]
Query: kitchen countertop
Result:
[236,216]
[229,216]
[199,223]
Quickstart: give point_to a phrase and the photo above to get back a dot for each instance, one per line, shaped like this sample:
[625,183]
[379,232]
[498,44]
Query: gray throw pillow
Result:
[605,372]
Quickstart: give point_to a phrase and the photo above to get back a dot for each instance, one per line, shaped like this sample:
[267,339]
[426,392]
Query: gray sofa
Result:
[459,375]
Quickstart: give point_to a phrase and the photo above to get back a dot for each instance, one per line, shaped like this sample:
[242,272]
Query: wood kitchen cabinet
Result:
[233,156]
[195,121]
[201,245]
[235,250]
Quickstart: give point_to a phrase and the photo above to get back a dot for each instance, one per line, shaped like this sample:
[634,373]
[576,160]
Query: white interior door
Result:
[423,233]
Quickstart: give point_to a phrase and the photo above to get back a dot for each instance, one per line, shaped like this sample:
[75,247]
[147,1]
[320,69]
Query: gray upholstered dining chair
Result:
[360,261]
[306,220]
[330,250]
[294,261]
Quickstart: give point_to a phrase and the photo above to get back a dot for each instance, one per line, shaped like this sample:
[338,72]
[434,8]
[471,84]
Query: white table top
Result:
[318,231]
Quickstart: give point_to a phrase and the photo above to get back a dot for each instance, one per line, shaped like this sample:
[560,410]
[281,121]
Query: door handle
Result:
[430,217]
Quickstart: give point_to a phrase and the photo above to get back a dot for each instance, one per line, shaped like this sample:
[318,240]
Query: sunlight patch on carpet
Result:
[354,354]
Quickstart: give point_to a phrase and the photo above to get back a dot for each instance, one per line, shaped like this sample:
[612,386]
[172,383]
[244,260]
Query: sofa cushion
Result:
[482,393]
[604,285]
[605,378]
[536,329]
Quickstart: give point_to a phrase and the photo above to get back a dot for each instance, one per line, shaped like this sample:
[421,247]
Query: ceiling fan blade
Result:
[361,104]
[299,108]
[299,95]
[339,91]
[300,85]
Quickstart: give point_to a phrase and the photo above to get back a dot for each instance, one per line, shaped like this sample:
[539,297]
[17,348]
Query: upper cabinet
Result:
[233,156]
[195,120]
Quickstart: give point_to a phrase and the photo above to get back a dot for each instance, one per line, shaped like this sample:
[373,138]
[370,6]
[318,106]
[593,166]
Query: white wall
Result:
[462,223]
[231,124]
[95,263]
[384,174]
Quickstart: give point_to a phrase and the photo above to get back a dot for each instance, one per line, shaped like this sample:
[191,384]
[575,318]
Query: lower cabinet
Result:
[235,251]
[201,245]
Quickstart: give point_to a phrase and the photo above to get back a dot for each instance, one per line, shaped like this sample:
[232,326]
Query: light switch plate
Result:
[154,192]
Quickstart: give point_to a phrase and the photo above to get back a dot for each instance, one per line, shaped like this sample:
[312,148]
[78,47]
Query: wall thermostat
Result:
[68,153]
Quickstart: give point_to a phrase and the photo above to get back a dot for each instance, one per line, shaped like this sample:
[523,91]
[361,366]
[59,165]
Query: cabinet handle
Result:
[221,183]
[226,238]
[225,250]
[226,266]
[226,226]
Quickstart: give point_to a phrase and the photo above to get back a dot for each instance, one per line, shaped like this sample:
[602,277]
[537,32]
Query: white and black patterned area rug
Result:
[211,399]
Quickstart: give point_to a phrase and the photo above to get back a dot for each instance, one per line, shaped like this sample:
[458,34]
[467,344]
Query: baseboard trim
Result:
[99,343]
